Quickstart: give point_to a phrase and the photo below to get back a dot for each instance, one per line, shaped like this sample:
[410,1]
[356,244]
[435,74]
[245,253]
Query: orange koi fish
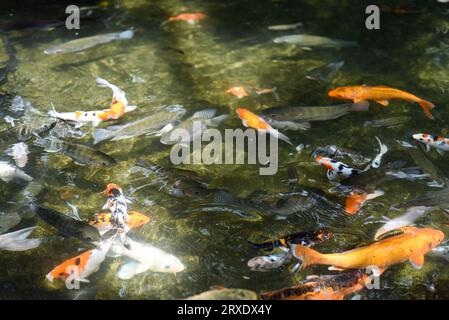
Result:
[238,92]
[103,221]
[81,266]
[252,120]
[190,18]
[119,106]
[381,95]
[355,200]
[410,245]
[326,287]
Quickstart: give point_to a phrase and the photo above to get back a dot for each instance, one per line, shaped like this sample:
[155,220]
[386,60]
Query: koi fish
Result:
[9,172]
[325,287]
[381,95]
[261,91]
[238,92]
[251,120]
[410,245]
[355,200]
[119,106]
[18,240]
[434,141]
[283,27]
[103,221]
[272,261]
[146,258]
[303,238]
[68,226]
[81,266]
[336,168]
[308,41]
[406,219]
[190,18]
[117,204]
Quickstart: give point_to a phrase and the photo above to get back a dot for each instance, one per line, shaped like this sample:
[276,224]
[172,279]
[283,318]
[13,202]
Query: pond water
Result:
[193,65]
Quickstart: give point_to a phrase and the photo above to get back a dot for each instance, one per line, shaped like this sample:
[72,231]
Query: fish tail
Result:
[101,135]
[359,106]
[427,106]
[53,113]
[102,82]
[280,136]
[128,34]
[306,255]
[383,147]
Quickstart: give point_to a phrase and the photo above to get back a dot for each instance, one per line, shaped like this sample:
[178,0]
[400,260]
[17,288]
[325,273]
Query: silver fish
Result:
[203,118]
[88,42]
[149,125]
[387,122]
[283,27]
[309,41]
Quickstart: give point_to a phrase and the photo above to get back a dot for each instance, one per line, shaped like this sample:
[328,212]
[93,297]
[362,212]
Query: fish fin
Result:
[426,107]
[128,34]
[101,135]
[53,113]
[130,108]
[383,103]
[245,123]
[441,152]
[334,268]
[18,235]
[360,106]
[21,245]
[279,135]
[417,261]
[375,194]
[130,269]
[96,122]
[428,148]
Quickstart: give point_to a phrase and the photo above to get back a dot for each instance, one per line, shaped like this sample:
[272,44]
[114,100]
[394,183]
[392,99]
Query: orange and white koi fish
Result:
[355,200]
[431,140]
[83,265]
[190,18]
[326,287]
[119,106]
[252,120]
[239,92]
[103,221]
[381,95]
[412,244]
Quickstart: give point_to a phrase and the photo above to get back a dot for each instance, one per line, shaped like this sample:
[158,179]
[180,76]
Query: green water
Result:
[231,47]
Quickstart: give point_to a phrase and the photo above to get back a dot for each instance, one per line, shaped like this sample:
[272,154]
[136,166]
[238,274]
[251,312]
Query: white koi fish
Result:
[430,140]
[119,106]
[17,240]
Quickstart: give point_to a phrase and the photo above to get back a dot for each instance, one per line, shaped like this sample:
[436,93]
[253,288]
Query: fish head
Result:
[89,233]
[113,190]
[53,50]
[242,113]
[106,161]
[423,137]
[325,162]
[169,264]
[341,93]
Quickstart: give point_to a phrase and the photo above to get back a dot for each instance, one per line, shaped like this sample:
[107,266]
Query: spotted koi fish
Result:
[119,106]
[103,221]
[81,266]
[430,140]
[117,204]
[336,169]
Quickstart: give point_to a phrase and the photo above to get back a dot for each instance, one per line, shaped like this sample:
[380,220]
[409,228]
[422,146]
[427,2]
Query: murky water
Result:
[194,65]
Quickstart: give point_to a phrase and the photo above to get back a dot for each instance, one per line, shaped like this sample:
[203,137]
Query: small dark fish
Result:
[326,72]
[313,113]
[430,199]
[30,25]
[387,122]
[370,179]
[81,154]
[68,226]
[302,238]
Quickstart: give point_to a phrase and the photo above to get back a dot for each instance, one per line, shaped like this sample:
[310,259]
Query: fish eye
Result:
[167,266]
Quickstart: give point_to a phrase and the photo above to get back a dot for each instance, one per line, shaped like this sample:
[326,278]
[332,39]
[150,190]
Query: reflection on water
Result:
[219,208]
